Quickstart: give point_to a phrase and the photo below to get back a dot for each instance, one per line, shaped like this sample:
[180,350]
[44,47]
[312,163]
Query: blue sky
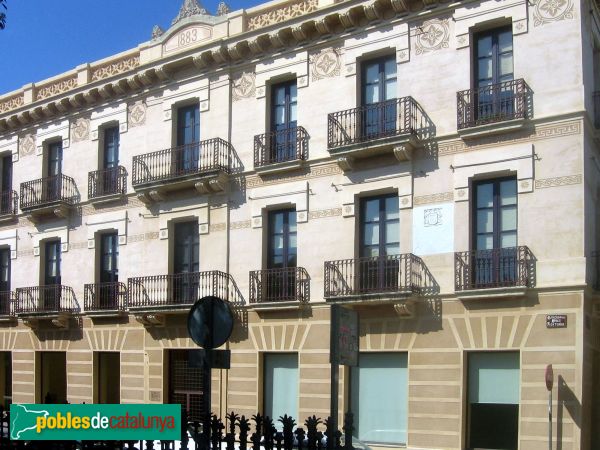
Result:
[44,38]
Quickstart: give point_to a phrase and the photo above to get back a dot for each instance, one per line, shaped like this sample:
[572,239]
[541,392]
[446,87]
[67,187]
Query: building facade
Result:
[433,166]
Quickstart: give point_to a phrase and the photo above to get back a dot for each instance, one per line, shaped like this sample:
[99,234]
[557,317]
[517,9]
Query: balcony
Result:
[596,99]
[204,166]
[280,151]
[8,206]
[105,299]
[493,109]
[150,298]
[374,129]
[56,303]
[290,285]
[376,279]
[7,313]
[107,184]
[497,272]
[54,195]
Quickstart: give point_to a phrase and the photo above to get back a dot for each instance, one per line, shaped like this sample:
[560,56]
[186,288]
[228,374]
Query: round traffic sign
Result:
[210,322]
[549,377]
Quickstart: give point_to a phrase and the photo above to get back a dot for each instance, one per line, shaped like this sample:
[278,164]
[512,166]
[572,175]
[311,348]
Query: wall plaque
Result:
[186,37]
[556,321]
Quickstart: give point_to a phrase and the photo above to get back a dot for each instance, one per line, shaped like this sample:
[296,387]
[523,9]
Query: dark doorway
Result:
[53,376]
[186,381]
[108,381]
[5,379]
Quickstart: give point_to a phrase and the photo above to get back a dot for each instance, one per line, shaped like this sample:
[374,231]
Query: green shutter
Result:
[494,377]
[280,373]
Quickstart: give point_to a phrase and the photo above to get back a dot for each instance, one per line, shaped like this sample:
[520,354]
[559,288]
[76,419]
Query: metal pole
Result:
[549,420]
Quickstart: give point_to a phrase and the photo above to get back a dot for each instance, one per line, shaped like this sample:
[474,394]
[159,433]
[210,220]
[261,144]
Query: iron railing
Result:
[596,99]
[111,181]
[392,274]
[280,146]
[6,303]
[45,191]
[289,284]
[183,161]
[181,289]
[495,103]
[110,296]
[378,120]
[496,268]
[8,203]
[55,298]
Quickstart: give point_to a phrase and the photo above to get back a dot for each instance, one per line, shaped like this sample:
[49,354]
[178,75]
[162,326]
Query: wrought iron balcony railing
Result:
[6,303]
[47,191]
[163,291]
[596,98]
[183,161]
[111,296]
[366,123]
[8,203]
[392,274]
[105,182]
[46,299]
[495,103]
[280,146]
[496,268]
[290,284]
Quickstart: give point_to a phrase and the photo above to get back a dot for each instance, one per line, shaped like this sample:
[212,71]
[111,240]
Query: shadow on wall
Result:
[566,400]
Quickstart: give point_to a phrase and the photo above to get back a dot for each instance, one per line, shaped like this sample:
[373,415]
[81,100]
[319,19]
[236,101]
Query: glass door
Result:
[282,253]
[54,172]
[284,99]
[379,112]
[52,277]
[187,154]
[110,163]
[109,271]
[5,281]
[6,199]
[186,262]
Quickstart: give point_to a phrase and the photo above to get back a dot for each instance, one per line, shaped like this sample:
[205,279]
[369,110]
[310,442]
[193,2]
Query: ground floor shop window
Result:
[379,397]
[493,400]
[186,382]
[53,377]
[280,374]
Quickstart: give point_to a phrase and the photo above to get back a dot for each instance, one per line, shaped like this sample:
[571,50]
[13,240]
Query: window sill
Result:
[492,293]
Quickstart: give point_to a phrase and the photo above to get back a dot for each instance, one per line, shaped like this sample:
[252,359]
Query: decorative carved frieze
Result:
[442,197]
[136,114]
[543,183]
[56,88]
[548,11]
[11,103]
[433,35]
[115,67]
[80,130]
[292,9]
[325,64]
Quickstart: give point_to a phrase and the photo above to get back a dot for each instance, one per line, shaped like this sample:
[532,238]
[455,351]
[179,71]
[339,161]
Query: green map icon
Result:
[24,419]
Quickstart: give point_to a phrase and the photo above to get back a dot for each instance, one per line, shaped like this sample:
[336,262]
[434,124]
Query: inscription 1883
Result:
[186,37]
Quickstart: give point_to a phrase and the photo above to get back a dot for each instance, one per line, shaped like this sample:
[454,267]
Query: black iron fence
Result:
[181,289]
[183,161]
[109,296]
[496,268]
[104,182]
[290,284]
[378,120]
[494,103]
[596,99]
[280,146]
[6,303]
[399,274]
[45,191]
[45,299]
[9,203]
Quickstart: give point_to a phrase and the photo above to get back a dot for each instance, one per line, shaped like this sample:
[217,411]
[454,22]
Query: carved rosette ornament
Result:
[137,114]
[244,86]
[548,11]
[80,130]
[27,145]
[432,35]
[188,9]
[325,64]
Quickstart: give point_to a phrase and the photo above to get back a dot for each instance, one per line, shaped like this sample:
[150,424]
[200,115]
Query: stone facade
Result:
[226,65]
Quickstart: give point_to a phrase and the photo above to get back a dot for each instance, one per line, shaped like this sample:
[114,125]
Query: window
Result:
[186,262]
[6,196]
[187,154]
[110,161]
[495,231]
[108,291]
[281,254]
[280,374]
[5,379]
[54,171]
[52,278]
[186,381]
[379,110]
[5,280]
[493,400]
[108,375]
[379,243]
[379,397]
[284,100]
[53,377]
[493,66]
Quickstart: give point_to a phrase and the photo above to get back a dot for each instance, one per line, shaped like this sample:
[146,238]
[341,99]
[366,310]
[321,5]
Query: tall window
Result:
[379,111]
[6,196]
[280,374]
[495,231]
[494,65]
[379,243]
[281,254]
[109,270]
[186,261]
[284,100]
[493,400]
[53,171]
[110,160]
[379,397]
[52,277]
[5,281]
[187,155]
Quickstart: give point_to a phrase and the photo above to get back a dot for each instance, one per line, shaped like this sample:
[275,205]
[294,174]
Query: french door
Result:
[284,101]
[187,155]
[281,255]
[110,163]
[52,276]
[379,112]
[5,281]
[109,271]
[54,172]
[186,262]
[6,202]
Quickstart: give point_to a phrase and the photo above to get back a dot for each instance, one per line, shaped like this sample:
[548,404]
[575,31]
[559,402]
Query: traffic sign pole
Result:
[549,377]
